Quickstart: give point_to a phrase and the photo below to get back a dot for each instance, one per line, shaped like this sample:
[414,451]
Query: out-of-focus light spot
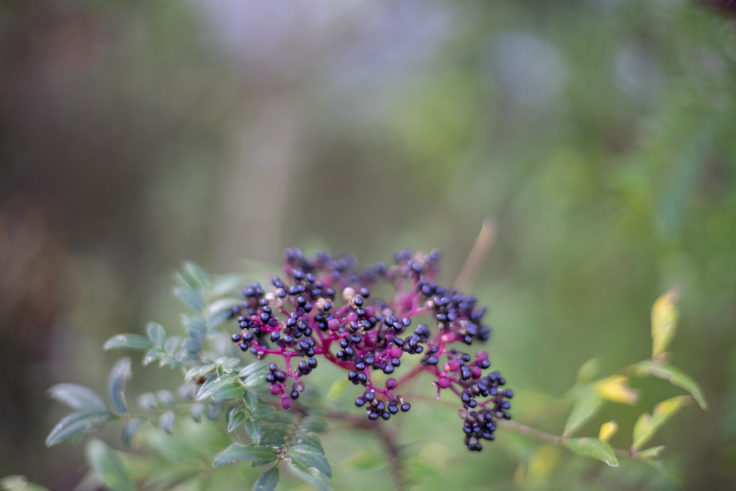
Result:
[532,70]
[636,71]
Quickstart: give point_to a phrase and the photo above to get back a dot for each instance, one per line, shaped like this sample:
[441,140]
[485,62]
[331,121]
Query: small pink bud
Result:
[443,382]
[275,389]
[481,355]
[395,352]
[285,403]
[476,371]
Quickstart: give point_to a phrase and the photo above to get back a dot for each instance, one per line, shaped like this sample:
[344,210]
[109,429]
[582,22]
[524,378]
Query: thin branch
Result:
[483,244]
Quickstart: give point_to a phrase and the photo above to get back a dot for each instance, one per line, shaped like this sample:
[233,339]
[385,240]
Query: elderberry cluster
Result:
[325,306]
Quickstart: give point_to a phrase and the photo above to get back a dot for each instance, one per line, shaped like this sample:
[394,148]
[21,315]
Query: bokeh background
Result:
[598,134]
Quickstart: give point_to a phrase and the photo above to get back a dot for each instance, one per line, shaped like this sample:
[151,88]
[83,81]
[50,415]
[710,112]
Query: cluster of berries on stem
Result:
[327,307]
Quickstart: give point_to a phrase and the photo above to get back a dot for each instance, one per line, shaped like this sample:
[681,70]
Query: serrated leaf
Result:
[119,375]
[190,297]
[261,411]
[614,389]
[593,448]
[308,457]
[664,321]
[130,429]
[254,368]
[147,401]
[250,399]
[268,480]
[238,452]
[212,384]
[674,376]
[77,397]
[648,424]
[228,392]
[156,333]
[310,439]
[310,475]
[108,467]
[76,423]
[234,419]
[588,402]
[254,430]
[167,421]
[131,341]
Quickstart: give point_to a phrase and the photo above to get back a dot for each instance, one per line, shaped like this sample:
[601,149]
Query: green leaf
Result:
[237,452]
[226,284]
[254,430]
[648,424]
[261,411]
[310,475]
[314,424]
[228,392]
[116,385]
[310,439]
[195,275]
[152,355]
[674,376]
[250,400]
[652,452]
[201,370]
[219,311]
[19,483]
[588,371]
[108,467]
[588,402]
[254,368]
[268,480]
[166,397]
[131,341]
[148,401]
[167,421]
[308,457]
[172,343]
[76,423]
[77,397]
[593,448]
[156,333]
[130,429]
[664,321]
[235,418]
[190,297]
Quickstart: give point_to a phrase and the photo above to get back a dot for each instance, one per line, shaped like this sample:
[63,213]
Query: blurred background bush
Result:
[598,133]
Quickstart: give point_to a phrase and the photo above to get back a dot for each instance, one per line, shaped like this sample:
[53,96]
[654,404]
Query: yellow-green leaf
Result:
[614,389]
[608,429]
[648,424]
[586,405]
[651,452]
[673,375]
[593,448]
[664,321]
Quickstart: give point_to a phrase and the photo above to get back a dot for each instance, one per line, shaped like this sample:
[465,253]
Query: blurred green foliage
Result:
[597,133]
